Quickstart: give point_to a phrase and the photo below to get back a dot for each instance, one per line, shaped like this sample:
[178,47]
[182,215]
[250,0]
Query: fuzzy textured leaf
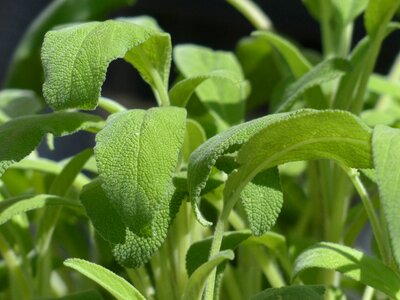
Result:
[224,99]
[206,156]
[12,207]
[195,286]
[386,147]
[309,292]
[25,70]
[86,50]
[136,154]
[114,284]
[262,200]
[22,135]
[325,71]
[352,263]
[129,249]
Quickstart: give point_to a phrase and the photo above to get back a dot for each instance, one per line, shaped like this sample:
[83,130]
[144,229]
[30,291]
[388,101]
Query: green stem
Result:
[215,247]
[326,30]
[253,13]
[369,208]
[269,268]
[110,105]
[368,293]
[20,287]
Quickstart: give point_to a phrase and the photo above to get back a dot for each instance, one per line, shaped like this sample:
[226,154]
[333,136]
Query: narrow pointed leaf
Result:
[223,99]
[378,14]
[297,63]
[13,207]
[309,292]
[199,251]
[129,249]
[262,200]
[352,263]
[181,92]
[114,284]
[22,135]
[86,50]
[136,154]
[386,147]
[195,286]
[326,71]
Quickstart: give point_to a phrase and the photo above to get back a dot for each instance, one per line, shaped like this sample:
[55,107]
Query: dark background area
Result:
[213,23]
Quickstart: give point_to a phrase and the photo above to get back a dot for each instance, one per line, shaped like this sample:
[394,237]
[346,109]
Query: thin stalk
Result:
[326,30]
[141,281]
[232,285]
[269,268]
[20,286]
[253,13]
[368,293]
[369,208]
[110,106]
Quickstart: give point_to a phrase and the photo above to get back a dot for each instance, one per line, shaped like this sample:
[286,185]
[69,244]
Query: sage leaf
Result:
[206,156]
[194,137]
[309,292]
[351,263]
[137,154]
[262,200]
[298,65]
[385,148]
[181,92]
[16,103]
[325,71]
[195,286]
[13,207]
[309,134]
[223,99]
[129,249]
[199,251]
[114,284]
[85,295]
[76,82]
[378,14]
[25,70]
[22,135]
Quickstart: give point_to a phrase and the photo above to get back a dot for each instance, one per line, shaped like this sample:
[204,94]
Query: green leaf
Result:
[385,148]
[129,249]
[194,137]
[137,154]
[85,295]
[309,292]
[297,64]
[325,71]
[12,207]
[262,200]
[308,134]
[381,85]
[25,70]
[195,286]
[378,15]
[64,180]
[260,67]
[206,156]
[352,263]
[76,83]
[114,284]
[22,135]
[181,92]
[145,21]
[16,103]
[223,99]
[199,251]
[348,10]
